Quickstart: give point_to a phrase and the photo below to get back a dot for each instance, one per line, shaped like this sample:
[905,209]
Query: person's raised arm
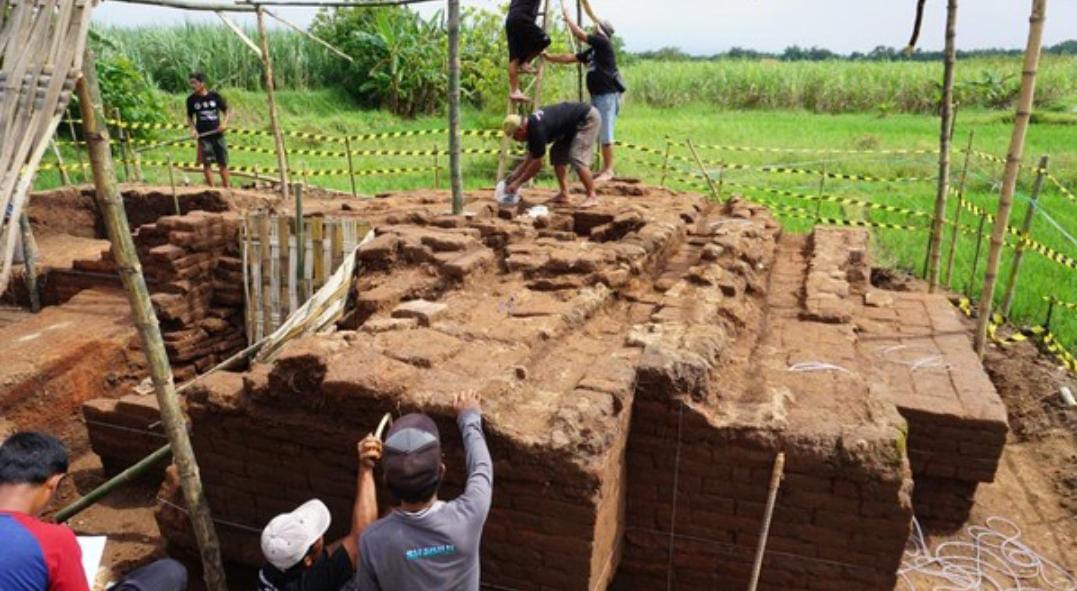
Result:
[577,32]
[561,58]
[479,489]
[365,510]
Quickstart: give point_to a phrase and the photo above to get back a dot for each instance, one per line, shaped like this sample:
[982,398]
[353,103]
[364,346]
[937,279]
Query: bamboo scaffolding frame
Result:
[934,249]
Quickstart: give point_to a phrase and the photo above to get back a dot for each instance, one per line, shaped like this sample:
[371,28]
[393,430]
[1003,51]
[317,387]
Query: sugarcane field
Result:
[538,295]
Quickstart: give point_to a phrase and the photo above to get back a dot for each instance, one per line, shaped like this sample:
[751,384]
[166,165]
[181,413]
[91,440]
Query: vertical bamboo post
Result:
[29,264]
[437,169]
[945,136]
[772,495]
[271,98]
[579,66]
[123,143]
[456,179]
[1050,313]
[172,183]
[957,212]
[66,180]
[819,202]
[721,180]
[78,147]
[351,165]
[665,163]
[703,169]
[1026,227]
[130,270]
[300,246]
[1013,166]
[976,255]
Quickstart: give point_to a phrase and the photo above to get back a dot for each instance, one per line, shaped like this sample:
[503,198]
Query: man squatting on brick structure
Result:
[425,543]
[39,556]
[297,558]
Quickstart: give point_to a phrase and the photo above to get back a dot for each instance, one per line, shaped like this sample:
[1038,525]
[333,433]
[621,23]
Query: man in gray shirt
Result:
[426,543]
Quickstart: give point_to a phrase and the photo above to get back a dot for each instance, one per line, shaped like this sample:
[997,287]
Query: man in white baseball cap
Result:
[297,557]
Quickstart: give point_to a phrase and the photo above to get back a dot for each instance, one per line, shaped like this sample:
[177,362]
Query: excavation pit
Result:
[642,364]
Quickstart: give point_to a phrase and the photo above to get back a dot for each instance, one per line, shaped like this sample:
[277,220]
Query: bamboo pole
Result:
[172,183]
[579,65]
[1013,166]
[138,469]
[1026,227]
[351,165]
[437,168]
[123,144]
[819,202]
[29,266]
[772,495]
[130,270]
[957,212]
[78,147]
[310,36]
[300,247]
[703,169]
[945,136]
[66,180]
[239,33]
[976,255]
[456,180]
[665,163]
[274,120]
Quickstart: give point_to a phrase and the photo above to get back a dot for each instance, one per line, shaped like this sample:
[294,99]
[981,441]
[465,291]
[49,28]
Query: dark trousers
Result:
[163,575]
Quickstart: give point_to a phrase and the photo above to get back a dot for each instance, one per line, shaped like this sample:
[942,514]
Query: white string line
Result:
[127,429]
[239,526]
[994,560]
[1039,208]
[932,360]
[813,366]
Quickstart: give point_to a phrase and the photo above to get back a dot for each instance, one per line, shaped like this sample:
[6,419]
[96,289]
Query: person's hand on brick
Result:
[369,451]
[465,401]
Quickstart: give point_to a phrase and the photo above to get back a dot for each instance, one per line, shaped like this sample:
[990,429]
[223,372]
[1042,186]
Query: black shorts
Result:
[212,149]
[526,39]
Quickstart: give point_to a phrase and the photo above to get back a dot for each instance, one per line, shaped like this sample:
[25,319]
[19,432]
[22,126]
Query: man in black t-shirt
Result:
[572,128]
[526,41]
[604,81]
[207,115]
[297,558]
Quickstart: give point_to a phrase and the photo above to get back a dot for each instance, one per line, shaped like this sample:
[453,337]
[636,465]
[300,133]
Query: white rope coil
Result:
[813,366]
[996,559]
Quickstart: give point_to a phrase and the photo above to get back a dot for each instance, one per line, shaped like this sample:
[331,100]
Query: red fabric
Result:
[63,557]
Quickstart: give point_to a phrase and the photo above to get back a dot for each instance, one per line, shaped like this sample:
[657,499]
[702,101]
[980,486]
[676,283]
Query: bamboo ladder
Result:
[41,45]
[534,91]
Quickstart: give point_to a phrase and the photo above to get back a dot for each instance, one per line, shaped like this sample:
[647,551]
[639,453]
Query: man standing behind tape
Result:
[603,81]
[425,543]
[207,115]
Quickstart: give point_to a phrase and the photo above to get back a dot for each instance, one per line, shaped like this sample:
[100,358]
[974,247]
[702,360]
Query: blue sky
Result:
[710,26]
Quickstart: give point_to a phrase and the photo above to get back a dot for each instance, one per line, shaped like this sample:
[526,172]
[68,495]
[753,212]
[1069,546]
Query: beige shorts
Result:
[578,150]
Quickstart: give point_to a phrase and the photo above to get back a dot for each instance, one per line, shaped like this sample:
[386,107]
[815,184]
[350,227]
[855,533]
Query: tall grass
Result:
[167,54]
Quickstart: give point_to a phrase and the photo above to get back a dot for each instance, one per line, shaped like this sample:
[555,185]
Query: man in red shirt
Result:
[39,556]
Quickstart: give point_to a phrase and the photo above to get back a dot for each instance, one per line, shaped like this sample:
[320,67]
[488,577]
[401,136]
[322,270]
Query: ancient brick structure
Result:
[642,365]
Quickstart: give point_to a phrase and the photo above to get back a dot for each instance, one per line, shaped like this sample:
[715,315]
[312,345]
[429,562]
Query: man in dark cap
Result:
[426,543]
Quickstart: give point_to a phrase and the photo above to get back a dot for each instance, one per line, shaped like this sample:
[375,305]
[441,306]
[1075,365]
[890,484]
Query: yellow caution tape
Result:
[134,125]
[1067,305]
[1048,340]
[810,150]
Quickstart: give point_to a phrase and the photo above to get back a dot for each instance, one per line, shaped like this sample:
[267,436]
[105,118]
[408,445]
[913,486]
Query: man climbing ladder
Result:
[526,42]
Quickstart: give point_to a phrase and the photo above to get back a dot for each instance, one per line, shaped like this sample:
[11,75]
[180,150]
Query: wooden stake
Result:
[822,188]
[1013,166]
[78,147]
[665,163]
[703,169]
[110,203]
[300,246]
[939,219]
[976,255]
[124,146]
[764,532]
[455,174]
[1026,227]
[579,66]
[957,211]
[29,264]
[351,165]
[274,120]
[172,183]
[437,169]
[66,180]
